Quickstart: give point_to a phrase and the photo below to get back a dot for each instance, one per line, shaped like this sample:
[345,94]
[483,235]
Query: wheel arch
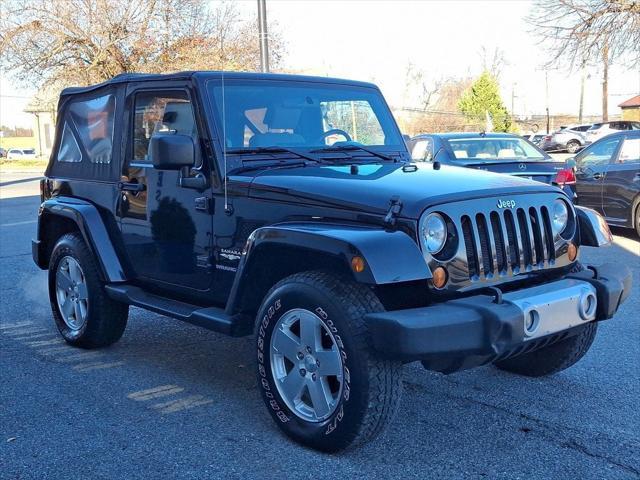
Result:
[275,252]
[60,216]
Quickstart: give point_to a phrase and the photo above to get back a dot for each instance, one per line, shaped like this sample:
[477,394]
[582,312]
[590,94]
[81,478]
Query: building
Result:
[43,107]
[631,109]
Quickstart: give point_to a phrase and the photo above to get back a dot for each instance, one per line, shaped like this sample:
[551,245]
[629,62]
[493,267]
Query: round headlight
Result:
[434,231]
[559,216]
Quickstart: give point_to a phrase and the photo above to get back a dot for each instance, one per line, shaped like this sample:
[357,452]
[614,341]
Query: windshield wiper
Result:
[343,148]
[273,149]
[280,164]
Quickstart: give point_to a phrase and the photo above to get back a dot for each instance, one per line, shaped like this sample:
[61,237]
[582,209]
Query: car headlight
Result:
[559,216]
[434,232]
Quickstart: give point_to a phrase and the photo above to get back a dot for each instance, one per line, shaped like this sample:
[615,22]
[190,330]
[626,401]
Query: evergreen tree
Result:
[484,96]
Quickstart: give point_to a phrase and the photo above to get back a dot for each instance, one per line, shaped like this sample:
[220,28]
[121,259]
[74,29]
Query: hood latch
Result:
[395,206]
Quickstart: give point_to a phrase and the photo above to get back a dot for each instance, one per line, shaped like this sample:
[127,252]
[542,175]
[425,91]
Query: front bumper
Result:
[472,331]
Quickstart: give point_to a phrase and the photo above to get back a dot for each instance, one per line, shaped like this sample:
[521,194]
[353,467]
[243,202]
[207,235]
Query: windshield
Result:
[298,115]
[483,149]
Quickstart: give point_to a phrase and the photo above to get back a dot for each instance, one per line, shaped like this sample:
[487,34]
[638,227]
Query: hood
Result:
[370,187]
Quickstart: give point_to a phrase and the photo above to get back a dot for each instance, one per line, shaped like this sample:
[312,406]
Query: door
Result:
[622,182]
[591,166]
[164,220]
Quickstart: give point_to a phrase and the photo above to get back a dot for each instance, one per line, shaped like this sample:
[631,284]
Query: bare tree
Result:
[420,88]
[493,61]
[87,41]
[583,32]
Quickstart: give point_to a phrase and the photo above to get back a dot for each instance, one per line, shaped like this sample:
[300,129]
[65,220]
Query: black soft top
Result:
[152,77]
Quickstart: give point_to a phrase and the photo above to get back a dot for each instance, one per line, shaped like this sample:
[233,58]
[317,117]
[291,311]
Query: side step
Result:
[211,318]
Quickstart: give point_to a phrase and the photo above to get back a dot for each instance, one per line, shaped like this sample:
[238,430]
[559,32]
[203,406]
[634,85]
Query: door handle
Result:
[597,175]
[132,186]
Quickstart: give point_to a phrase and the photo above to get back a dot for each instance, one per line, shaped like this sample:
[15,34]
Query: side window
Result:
[422,150]
[161,114]
[599,153]
[354,117]
[93,122]
[630,151]
[69,150]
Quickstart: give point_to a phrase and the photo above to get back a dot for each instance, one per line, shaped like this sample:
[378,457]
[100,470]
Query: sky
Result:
[375,41]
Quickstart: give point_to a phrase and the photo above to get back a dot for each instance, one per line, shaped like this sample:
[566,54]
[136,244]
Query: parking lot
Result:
[174,401]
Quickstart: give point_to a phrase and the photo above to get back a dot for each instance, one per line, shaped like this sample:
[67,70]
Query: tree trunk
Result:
[605,83]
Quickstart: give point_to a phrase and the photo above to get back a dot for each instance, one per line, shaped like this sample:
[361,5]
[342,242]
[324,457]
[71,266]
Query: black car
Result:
[495,152]
[608,178]
[287,208]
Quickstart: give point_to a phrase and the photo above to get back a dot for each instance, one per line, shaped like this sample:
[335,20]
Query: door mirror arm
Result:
[195,182]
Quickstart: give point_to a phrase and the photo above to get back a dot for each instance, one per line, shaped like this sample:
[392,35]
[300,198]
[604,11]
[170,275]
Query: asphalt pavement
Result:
[170,400]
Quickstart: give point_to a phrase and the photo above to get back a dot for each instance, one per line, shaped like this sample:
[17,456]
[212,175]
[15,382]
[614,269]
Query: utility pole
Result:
[513,97]
[546,96]
[582,80]
[264,39]
[605,83]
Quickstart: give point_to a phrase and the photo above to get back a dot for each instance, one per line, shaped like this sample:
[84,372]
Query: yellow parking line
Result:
[44,343]
[157,392]
[8,326]
[74,357]
[182,404]
[97,366]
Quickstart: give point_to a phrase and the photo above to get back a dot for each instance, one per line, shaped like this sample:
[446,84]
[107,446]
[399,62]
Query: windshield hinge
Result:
[395,206]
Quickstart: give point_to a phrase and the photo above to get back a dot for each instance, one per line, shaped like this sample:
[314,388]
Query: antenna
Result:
[224,149]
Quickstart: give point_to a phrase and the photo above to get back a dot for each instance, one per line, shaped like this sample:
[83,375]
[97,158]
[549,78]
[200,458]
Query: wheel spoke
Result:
[320,397]
[67,307]
[83,293]
[77,311]
[310,331]
[74,271]
[286,345]
[63,280]
[291,386]
[329,362]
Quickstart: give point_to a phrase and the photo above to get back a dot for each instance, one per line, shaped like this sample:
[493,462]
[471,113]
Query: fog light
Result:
[440,277]
[357,264]
[572,251]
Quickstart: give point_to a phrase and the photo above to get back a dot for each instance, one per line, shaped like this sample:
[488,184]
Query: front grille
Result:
[507,242]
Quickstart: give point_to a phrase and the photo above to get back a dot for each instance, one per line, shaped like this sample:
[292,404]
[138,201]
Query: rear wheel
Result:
[637,220]
[322,383]
[84,314]
[554,358]
[573,146]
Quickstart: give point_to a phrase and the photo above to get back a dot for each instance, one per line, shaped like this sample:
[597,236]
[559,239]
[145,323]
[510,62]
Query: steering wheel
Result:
[334,131]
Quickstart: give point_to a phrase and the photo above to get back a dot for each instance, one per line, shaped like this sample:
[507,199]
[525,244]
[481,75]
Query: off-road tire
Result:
[374,384]
[637,220]
[573,146]
[106,319]
[554,358]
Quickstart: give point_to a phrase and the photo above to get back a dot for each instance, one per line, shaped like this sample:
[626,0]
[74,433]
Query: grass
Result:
[38,165]
[17,142]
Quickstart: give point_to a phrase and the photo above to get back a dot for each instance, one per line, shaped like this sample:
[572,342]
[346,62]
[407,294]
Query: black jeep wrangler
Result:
[288,207]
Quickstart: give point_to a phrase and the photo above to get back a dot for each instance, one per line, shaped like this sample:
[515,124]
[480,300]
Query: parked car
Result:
[535,138]
[3,153]
[599,130]
[608,178]
[288,207]
[495,152]
[569,139]
[21,154]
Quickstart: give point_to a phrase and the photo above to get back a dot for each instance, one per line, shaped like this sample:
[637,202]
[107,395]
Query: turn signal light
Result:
[440,277]
[357,264]
[572,251]
[565,177]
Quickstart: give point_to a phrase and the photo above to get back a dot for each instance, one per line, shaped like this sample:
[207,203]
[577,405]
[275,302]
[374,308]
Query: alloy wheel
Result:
[72,293]
[306,365]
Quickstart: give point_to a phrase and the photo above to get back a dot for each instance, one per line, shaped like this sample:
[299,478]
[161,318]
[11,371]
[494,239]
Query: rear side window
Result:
[630,151]
[69,150]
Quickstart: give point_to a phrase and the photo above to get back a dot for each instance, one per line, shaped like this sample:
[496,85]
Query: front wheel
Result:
[573,146]
[554,358]
[319,378]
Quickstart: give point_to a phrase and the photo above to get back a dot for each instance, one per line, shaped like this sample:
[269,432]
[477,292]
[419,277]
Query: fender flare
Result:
[92,228]
[390,256]
[594,230]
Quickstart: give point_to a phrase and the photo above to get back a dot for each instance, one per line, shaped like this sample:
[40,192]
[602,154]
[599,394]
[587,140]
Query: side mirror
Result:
[172,152]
